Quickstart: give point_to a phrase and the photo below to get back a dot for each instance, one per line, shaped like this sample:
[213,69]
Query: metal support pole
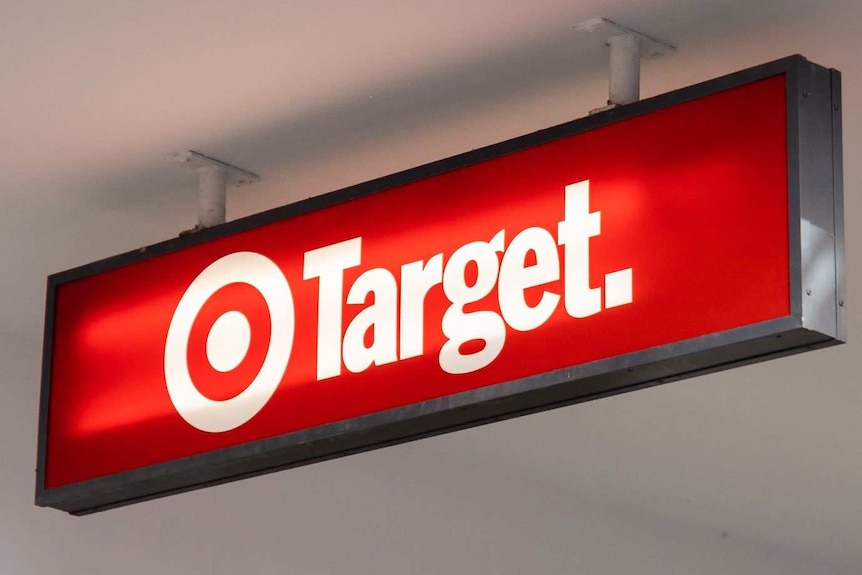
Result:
[214,176]
[212,195]
[625,69]
[627,47]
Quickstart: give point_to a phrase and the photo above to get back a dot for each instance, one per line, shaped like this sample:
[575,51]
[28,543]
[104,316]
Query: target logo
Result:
[228,342]
[390,328]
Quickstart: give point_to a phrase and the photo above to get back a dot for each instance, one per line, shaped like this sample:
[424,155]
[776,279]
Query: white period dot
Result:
[618,288]
[228,341]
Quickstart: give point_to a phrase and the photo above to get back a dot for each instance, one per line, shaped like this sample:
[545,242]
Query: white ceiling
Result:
[757,470]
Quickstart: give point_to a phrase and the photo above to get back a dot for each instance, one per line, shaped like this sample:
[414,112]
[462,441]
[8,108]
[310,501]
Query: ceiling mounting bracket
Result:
[214,176]
[627,47]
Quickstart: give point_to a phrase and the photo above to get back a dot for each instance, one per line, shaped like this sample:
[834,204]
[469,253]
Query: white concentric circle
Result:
[228,341]
[216,416]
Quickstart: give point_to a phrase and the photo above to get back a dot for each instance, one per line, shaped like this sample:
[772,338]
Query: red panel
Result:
[693,198]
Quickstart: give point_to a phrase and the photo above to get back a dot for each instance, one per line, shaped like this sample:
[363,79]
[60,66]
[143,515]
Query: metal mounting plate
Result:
[606,29]
[235,176]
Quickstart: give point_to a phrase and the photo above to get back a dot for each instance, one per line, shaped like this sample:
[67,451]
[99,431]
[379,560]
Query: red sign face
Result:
[661,228]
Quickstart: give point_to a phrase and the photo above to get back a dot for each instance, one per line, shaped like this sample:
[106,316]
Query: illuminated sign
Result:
[690,232]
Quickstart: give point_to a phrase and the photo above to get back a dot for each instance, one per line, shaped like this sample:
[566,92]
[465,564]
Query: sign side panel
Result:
[818,198]
[45,387]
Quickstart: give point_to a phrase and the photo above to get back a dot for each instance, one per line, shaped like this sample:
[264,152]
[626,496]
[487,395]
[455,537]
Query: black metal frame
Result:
[816,318]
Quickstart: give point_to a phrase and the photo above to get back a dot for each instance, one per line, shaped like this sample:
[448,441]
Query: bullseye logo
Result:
[228,342]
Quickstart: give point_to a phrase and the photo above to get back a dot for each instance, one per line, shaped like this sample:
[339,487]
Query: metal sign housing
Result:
[550,269]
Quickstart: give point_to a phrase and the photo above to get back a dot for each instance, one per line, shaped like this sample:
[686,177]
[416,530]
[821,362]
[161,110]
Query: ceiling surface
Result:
[756,470]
